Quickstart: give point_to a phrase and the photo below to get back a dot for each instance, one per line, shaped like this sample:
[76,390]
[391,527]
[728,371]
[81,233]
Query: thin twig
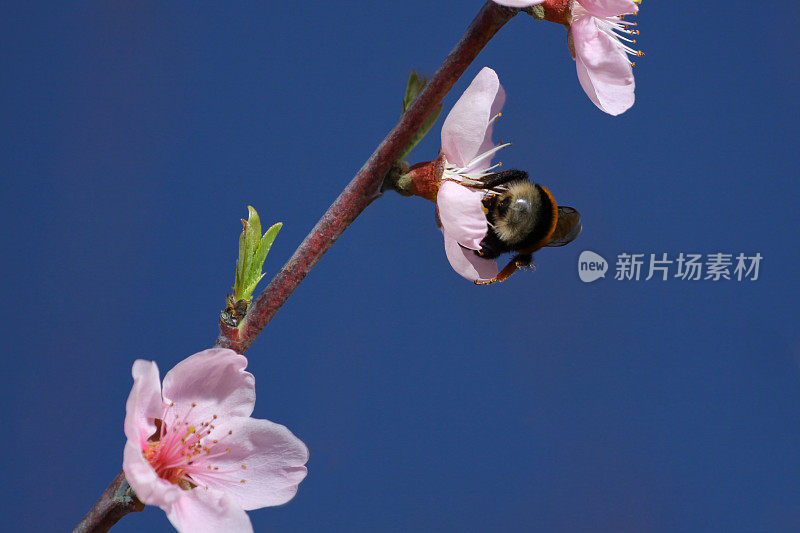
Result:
[118,499]
[364,188]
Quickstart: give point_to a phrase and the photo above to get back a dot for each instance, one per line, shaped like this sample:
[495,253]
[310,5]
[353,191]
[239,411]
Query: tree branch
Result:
[364,188]
[117,501]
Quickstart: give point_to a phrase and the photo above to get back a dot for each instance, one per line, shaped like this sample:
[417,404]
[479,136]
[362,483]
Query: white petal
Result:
[467,130]
[461,214]
[603,67]
[466,263]
[266,456]
[208,511]
[609,8]
[216,381]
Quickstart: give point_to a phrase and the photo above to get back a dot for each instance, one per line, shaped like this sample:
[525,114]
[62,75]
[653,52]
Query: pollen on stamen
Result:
[244,467]
[243,481]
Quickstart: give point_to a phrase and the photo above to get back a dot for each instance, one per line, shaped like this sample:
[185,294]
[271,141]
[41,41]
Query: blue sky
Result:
[136,133]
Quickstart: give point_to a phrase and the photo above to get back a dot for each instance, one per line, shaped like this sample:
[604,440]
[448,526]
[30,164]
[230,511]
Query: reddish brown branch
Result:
[117,501]
[364,187]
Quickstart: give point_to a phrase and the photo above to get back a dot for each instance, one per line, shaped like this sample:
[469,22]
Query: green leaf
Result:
[253,250]
[422,132]
[536,12]
[252,230]
[266,243]
[413,88]
[240,262]
[254,220]
[249,289]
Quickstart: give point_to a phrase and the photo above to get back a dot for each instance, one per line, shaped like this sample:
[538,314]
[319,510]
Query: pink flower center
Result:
[182,451]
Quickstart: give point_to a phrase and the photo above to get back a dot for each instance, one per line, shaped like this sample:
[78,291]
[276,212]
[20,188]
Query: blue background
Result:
[135,134]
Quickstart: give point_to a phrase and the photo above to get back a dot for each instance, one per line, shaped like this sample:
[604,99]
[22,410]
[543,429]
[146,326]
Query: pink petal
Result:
[518,3]
[149,488]
[609,8]
[208,511]
[603,68]
[467,130]
[273,458]
[216,381]
[466,263]
[144,402]
[461,214]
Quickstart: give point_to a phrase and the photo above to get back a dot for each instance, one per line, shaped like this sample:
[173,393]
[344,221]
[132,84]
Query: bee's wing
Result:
[568,227]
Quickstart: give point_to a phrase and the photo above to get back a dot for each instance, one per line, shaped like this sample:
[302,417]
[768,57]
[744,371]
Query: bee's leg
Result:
[520,261]
[491,247]
[500,178]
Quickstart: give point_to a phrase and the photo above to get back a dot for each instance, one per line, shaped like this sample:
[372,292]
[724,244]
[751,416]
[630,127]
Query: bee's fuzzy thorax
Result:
[521,207]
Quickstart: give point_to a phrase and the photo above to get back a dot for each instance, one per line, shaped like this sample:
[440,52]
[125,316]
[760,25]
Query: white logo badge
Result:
[591,266]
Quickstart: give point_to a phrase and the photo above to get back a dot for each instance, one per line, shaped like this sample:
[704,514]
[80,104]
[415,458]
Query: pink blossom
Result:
[601,56]
[194,450]
[467,151]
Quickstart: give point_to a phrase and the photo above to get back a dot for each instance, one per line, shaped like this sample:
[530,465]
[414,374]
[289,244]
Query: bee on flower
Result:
[482,212]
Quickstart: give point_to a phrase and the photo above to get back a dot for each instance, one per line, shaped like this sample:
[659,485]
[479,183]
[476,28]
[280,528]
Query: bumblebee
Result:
[523,218]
